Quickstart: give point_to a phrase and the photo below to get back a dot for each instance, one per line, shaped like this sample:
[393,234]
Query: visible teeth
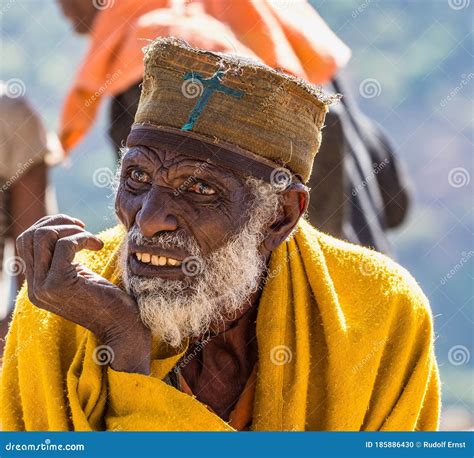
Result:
[157,260]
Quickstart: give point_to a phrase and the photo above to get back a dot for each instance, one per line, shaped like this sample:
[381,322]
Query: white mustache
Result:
[178,239]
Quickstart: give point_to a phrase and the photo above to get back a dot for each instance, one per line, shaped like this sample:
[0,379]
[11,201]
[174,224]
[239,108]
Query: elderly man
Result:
[214,305]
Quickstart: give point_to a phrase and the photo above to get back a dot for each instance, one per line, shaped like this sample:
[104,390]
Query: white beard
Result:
[177,310]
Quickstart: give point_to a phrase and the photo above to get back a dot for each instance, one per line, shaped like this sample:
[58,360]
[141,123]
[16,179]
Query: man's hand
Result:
[55,283]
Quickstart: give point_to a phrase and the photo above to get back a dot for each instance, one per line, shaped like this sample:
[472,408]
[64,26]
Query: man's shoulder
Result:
[363,262]
[370,283]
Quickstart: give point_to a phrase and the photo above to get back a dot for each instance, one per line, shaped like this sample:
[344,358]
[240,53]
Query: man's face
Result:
[194,233]
[165,192]
[81,14]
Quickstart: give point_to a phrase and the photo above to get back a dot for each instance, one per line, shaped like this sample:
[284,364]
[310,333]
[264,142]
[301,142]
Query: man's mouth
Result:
[156,260]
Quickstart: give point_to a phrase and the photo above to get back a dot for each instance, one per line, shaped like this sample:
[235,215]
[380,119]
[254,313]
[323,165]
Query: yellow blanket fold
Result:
[345,342]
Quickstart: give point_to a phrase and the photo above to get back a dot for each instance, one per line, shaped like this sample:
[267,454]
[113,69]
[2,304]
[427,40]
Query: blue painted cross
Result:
[210,85]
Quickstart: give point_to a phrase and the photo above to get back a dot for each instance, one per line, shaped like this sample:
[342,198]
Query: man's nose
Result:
[156,214]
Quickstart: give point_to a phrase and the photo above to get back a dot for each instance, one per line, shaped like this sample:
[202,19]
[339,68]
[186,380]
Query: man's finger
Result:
[24,247]
[44,241]
[56,220]
[67,247]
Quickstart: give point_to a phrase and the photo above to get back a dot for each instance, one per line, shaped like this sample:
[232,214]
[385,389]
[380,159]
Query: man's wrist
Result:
[131,352]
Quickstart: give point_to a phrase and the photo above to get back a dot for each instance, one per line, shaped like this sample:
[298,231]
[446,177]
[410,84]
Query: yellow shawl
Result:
[345,343]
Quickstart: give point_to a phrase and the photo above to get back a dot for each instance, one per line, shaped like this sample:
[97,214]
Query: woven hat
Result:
[231,110]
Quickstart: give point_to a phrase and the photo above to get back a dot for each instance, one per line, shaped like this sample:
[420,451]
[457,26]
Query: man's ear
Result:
[294,203]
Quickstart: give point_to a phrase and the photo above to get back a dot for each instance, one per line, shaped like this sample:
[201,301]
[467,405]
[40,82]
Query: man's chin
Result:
[160,288]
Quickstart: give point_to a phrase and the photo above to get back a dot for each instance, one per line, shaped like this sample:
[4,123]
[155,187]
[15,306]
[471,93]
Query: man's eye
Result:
[140,176]
[202,188]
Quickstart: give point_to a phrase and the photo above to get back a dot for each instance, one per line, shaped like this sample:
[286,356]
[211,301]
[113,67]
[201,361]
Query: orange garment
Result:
[291,36]
[241,416]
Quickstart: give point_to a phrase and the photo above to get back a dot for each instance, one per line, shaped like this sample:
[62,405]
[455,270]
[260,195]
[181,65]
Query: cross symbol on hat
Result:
[210,85]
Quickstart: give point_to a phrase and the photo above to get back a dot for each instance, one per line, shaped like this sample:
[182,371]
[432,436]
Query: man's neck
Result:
[220,368]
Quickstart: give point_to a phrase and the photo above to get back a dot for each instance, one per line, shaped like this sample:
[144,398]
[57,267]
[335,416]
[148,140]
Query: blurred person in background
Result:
[359,190]
[24,153]
[295,39]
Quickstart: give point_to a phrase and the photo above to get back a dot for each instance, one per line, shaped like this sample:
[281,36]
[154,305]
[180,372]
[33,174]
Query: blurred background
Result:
[411,70]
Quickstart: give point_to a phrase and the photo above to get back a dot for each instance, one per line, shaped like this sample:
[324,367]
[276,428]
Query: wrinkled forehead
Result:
[161,158]
[224,157]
